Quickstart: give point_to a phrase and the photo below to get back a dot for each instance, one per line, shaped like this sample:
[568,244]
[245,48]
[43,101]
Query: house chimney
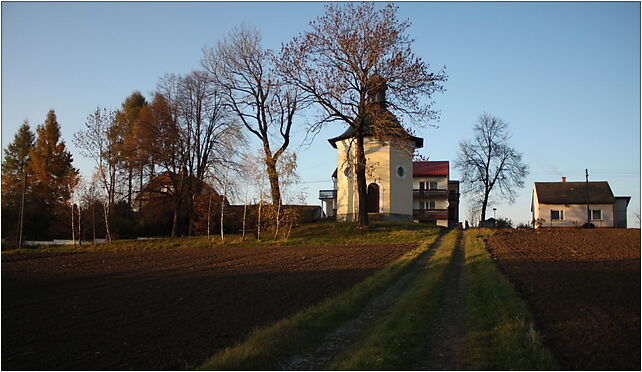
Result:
[563,179]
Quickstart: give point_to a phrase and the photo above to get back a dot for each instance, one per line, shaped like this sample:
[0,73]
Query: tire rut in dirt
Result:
[444,337]
[338,339]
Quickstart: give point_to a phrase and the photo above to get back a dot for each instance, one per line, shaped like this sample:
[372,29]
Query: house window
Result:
[422,205]
[430,205]
[347,172]
[401,171]
[422,185]
[557,215]
[432,185]
[596,214]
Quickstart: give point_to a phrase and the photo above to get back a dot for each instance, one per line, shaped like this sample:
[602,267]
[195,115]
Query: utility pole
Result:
[588,209]
[22,206]
[71,201]
[223,204]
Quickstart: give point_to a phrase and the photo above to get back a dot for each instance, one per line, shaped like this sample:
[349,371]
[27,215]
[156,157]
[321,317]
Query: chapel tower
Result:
[389,169]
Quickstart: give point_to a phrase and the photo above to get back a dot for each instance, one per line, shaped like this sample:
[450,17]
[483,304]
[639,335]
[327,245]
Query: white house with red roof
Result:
[435,196]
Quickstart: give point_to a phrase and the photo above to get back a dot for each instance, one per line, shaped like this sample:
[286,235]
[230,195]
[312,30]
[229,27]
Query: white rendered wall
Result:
[382,160]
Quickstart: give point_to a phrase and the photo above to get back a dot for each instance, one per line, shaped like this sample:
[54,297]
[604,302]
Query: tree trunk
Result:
[278,220]
[73,233]
[93,218]
[484,205]
[140,189]
[129,191]
[244,215]
[209,216]
[273,176]
[106,209]
[190,213]
[79,227]
[223,207]
[362,217]
[177,208]
[258,225]
[22,208]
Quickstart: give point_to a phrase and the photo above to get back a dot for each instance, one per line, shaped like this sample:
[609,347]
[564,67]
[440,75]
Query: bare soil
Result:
[163,309]
[584,288]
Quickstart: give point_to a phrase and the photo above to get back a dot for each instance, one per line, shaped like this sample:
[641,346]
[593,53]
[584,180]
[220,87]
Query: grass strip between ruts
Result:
[266,347]
[499,333]
[398,339]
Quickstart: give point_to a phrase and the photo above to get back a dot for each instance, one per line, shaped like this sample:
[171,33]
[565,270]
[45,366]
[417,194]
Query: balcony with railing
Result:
[429,193]
[327,194]
[430,214]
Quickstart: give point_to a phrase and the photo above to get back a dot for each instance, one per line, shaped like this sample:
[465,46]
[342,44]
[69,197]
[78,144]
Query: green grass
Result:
[499,333]
[398,339]
[266,347]
[317,234]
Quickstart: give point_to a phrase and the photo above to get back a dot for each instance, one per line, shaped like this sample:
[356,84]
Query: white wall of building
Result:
[574,214]
[442,182]
[439,203]
[382,161]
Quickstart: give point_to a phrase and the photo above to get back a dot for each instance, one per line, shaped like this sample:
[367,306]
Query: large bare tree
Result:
[488,163]
[212,135]
[349,54]
[196,137]
[262,102]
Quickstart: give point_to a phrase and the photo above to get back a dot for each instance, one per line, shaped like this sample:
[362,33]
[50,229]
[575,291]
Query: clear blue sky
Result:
[566,76]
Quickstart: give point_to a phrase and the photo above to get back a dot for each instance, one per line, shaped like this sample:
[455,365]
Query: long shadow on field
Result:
[163,320]
[589,312]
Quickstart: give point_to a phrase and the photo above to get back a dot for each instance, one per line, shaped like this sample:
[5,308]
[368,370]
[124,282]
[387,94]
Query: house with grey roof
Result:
[568,204]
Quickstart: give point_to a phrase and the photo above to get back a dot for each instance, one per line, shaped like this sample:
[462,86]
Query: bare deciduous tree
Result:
[262,102]
[197,135]
[97,142]
[487,163]
[351,53]
[210,133]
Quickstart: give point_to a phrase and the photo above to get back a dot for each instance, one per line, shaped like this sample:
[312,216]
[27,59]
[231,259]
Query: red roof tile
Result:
[430,168]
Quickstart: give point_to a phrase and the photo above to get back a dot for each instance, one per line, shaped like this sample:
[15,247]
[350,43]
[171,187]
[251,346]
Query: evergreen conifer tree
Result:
[51,163]
[15,182]
[16,156]
[54,176]
[128,138]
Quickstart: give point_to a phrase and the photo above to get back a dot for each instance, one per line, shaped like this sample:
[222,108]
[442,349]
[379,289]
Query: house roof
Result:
[598,192]
[380,120]
[430,168]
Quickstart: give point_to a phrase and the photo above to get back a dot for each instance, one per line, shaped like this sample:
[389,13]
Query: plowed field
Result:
[163,309]
[584,288]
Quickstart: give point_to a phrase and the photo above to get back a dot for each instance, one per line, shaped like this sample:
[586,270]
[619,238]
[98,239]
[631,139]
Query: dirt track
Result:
[584,288]
[163,309]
